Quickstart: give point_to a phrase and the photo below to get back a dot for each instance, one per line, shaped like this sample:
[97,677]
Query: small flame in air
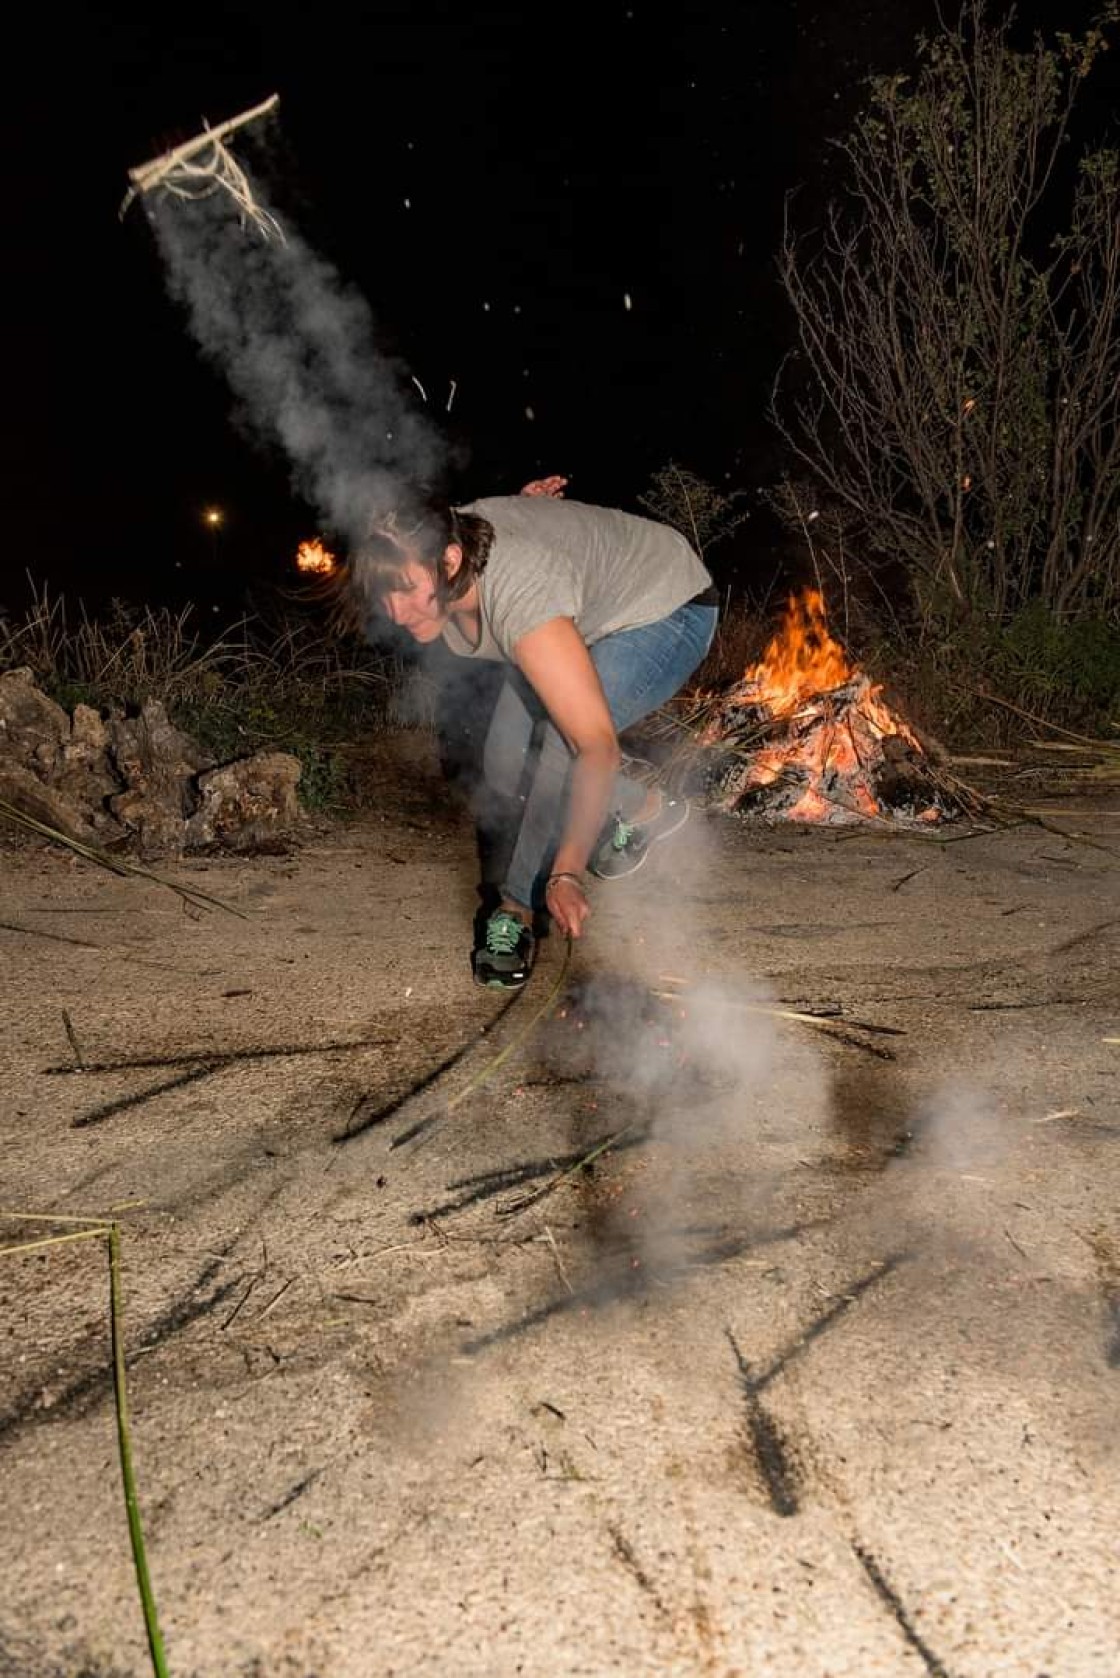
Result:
[314,559]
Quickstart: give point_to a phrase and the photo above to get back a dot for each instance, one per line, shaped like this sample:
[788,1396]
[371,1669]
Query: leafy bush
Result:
[1069,663]
[983,683]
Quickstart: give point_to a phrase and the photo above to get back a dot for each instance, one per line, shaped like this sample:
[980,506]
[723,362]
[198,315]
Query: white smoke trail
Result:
[298,347]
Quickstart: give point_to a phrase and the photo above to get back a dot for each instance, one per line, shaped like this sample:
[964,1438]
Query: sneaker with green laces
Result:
[625,845]
[504,958]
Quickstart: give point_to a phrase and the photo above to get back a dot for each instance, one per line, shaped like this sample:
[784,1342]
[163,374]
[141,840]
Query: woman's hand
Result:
[554,486]
[567,903]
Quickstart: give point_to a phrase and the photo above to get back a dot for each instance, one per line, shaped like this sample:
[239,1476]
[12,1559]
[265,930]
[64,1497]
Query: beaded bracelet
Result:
[553,878]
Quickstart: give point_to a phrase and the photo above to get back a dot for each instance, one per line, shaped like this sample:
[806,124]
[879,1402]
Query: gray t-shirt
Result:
[550,558]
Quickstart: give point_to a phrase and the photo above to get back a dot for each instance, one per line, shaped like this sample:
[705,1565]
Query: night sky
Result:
[573,224]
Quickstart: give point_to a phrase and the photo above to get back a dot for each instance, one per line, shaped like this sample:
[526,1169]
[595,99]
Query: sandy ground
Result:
[814,1371]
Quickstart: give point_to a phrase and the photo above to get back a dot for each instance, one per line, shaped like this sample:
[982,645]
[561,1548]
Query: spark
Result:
[451,394]
[626,302]
[419,387]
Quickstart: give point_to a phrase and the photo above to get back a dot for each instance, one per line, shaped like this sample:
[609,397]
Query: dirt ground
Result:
[694,1337]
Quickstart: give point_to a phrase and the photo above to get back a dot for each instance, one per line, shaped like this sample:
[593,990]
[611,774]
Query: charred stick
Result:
[899,883]
[487,1185]
[769,1446]
[881,1030]
[221,1057]
[362,1118]
[98,1114]
[840,1305]
[290,1496]
[423,1126]
[72,1037]
[54,937]
[636,1131]
[826,1025]
[890,1598]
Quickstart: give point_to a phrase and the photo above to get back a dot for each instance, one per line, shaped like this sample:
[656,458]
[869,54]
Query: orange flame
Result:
[314,558]
[834,736]
[802,659]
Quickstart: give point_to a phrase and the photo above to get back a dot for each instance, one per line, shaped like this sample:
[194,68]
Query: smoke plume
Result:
[299,349]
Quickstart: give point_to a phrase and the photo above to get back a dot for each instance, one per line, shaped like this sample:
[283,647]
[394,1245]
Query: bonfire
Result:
[806,736]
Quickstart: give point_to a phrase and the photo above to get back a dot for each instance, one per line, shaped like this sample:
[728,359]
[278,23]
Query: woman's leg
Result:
[641,670]
[508,759]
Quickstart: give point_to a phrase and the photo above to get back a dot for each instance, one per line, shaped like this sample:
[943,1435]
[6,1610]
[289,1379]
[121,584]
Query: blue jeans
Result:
[526,760]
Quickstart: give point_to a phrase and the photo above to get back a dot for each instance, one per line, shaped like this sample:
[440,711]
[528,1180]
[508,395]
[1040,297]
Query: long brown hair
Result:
[377,564]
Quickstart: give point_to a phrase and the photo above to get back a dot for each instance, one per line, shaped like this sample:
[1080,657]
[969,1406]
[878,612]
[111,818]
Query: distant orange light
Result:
[213,517]
[314,559]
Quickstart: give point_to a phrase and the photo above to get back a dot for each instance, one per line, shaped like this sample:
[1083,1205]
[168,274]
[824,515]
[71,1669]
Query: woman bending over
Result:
[601,617]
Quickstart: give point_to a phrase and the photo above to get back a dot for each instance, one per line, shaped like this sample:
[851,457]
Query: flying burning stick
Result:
[312,558]
[203,166]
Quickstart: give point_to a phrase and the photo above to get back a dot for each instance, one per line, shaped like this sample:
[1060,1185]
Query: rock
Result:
[89,735]
[23,789]
[85,773]
[154,827]
[158,764]
[246,805]
[33,729]
[152,754]
[138,781]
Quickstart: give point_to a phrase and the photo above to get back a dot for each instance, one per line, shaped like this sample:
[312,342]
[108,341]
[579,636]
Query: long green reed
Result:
[106,1229]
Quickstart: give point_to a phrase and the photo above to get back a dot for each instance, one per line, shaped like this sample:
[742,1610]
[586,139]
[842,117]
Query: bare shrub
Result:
[957,395]
[703,514]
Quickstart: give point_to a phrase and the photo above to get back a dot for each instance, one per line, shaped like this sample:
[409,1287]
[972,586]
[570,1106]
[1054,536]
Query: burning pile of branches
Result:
[806,736]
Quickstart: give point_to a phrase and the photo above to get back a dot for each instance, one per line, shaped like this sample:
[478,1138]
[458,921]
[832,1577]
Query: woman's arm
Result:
[555,661]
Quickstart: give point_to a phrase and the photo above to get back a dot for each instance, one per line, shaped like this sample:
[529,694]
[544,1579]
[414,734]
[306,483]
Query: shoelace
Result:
[623,833]
[502,933]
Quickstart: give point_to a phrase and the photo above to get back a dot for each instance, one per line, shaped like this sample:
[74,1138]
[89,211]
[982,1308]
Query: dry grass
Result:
[132,654]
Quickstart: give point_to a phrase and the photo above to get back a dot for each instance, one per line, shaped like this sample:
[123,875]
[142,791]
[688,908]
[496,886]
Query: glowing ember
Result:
[823,745]
[314,559]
